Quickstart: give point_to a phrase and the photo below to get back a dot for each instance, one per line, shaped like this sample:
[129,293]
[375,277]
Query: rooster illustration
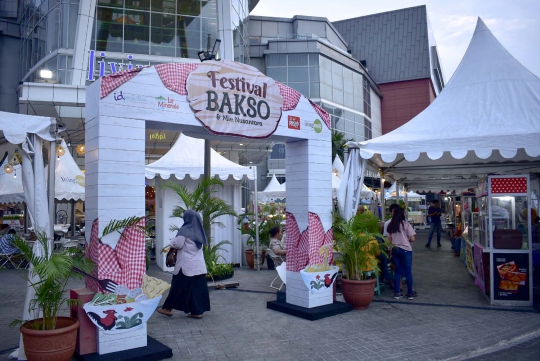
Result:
[108,322]
[328,281]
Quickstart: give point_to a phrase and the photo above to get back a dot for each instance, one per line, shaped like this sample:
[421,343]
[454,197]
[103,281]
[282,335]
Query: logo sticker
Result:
[293,122]
[317,126]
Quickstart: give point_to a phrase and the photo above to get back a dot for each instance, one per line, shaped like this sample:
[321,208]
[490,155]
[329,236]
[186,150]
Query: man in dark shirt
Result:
[435,213]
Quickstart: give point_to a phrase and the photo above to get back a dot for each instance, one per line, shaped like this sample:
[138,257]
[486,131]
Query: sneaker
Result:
[397,296]
[427,245]
[439,245]
[409,297]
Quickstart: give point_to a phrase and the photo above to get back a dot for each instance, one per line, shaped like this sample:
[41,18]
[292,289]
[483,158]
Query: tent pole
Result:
[51,188]
[73,217]
[256,209]
[26,218]
[207,170]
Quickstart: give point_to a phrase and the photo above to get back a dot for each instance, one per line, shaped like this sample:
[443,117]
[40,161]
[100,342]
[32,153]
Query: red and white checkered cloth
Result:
[174,76]
[323,114]
[113,81]
[290,96]
[303,248]
[125,265]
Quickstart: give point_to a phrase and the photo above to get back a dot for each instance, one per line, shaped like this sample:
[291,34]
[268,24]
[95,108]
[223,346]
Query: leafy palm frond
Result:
[338,144]
[117,225]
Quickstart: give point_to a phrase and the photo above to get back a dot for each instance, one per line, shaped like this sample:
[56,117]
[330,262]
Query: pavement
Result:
[450,320]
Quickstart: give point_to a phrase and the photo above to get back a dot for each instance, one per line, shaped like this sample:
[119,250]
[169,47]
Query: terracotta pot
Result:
[51,345]
[358,293]
[250,259]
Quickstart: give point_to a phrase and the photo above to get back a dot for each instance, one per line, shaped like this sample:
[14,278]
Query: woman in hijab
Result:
[189,292]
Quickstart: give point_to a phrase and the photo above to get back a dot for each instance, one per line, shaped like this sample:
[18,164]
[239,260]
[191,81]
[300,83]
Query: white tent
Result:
[186,158]
[486,120]
[69,181]
[337,167]
[31,132]
[11,187]
[273,191]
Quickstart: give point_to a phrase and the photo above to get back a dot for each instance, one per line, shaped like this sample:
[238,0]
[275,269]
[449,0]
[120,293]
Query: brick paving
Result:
[450,320]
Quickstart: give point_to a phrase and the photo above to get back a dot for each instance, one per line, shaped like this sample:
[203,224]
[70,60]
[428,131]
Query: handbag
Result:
[170,260]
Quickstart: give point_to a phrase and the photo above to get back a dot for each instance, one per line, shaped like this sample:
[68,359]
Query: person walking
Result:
[401,234]
[189,292]
[434,212]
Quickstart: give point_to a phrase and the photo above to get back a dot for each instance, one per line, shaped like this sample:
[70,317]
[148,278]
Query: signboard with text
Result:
[510,276]
[231,98]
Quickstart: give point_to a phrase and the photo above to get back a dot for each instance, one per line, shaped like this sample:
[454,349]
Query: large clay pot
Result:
[359,294]
[51,345]
[250,259]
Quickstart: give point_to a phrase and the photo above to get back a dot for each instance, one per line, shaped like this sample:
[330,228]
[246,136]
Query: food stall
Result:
[503,250]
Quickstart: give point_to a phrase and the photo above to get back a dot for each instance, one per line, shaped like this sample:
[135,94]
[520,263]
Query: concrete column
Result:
[83,38]
[225,31]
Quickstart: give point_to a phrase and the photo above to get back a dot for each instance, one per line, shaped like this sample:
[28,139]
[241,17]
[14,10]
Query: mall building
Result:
[50,50]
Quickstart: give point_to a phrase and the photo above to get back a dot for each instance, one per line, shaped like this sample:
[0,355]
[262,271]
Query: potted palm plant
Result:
[264,238]
[50,335]
[359,248]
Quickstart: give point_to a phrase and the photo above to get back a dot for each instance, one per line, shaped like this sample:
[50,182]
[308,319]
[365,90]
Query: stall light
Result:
[45,74]
[80,149]
[240,143]
[8,168]
[15,174]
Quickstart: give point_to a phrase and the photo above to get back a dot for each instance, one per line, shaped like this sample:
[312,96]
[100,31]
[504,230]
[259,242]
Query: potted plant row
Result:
[357,243]
[264,237]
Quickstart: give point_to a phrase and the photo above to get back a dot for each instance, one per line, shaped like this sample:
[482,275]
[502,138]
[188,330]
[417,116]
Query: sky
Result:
[516,24]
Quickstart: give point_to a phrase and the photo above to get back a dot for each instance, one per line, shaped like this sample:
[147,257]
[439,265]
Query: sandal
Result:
[166,313]
[195,316]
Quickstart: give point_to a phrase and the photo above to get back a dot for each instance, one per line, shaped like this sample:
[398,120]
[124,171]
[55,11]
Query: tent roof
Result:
[16,126]
[487,119]
[273,185]
[338,166]
[186,157]
[69,181]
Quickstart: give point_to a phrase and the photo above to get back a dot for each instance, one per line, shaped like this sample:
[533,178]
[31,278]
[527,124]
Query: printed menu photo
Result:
[510,276]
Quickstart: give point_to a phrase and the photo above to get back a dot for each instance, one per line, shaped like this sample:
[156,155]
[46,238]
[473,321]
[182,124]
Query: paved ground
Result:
[450,320]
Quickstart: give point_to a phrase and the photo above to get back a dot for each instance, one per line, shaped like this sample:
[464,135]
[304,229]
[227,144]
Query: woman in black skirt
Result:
[189,292]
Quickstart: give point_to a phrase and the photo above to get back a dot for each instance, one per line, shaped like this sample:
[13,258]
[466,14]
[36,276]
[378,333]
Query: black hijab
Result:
[193,228]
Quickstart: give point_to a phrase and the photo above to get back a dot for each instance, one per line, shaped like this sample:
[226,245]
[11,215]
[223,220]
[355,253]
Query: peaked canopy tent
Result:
[486,120]
[183,159]
[274,191]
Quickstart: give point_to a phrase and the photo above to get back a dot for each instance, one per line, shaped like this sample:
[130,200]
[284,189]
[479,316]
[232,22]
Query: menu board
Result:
[510,276]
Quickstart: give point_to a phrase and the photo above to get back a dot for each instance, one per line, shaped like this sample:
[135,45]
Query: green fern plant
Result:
[202,200]
[53,271]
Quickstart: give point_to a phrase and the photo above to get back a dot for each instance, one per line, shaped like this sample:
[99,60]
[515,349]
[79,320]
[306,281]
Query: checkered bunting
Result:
[113,81]
[323,114]
[174,76]
[290,96]
[125,264]
[303,248]
[509,185]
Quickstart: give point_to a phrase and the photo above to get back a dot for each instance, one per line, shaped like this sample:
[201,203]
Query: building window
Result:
[299,71]
[367,98]
[158,27]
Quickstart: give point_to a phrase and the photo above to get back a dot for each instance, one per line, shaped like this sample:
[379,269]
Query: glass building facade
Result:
[176,28]
[344,93]
[48,29]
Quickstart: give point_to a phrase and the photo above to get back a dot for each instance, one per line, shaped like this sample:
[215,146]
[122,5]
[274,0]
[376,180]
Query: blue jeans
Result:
[403,261]
[456,243]
[383,264]
[432,227]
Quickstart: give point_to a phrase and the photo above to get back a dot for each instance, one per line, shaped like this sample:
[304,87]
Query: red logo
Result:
[293,122]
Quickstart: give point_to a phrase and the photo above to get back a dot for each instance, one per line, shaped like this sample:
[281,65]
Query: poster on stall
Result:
[510,276]
[479,267]
[469,262]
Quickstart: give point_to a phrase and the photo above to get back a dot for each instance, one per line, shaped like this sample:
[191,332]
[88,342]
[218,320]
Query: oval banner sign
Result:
[231,98]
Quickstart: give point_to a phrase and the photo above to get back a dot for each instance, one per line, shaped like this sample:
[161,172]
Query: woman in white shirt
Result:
[189,291]
[401,234]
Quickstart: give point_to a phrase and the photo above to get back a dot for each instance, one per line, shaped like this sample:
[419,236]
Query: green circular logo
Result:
[317,126]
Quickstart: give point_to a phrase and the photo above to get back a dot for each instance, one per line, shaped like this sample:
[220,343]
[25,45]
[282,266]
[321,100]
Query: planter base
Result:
[311,314]
[154,351]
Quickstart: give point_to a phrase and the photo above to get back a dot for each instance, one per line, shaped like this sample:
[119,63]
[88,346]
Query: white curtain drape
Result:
[351,184]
